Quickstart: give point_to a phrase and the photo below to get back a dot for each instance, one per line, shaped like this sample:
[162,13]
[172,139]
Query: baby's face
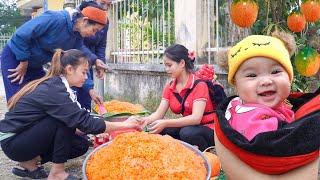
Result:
[262,80]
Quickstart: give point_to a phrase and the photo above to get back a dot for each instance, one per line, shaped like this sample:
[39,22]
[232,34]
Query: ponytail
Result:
[59,61]
[178,52]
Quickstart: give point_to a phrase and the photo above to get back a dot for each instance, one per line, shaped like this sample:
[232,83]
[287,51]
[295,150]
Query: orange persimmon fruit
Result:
[311,10]
[296,22]
[244,12]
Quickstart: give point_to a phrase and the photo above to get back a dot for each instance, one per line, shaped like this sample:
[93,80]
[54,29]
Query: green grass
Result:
[107,97]
[151,103]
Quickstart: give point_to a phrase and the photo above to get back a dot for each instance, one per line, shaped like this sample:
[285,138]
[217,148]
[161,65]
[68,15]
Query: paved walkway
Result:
[5,163]
[2,99]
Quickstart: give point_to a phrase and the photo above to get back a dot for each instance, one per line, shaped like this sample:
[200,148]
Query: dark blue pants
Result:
[50,139]
[197,135]
[83,95]
[9,61]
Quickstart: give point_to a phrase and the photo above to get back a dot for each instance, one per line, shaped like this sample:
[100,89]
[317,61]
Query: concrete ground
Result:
[73,166]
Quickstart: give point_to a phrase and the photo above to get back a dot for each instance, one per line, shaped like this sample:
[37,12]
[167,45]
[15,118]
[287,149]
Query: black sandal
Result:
[39,173]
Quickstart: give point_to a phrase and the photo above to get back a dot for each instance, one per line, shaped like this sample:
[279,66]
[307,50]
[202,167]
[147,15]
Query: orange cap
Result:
[95,14]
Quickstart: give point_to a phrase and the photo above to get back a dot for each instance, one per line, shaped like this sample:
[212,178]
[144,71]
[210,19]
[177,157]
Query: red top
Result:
[200,92]
[309,107]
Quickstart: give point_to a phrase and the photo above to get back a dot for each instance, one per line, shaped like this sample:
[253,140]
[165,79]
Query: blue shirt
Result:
[97,45]
[36,40]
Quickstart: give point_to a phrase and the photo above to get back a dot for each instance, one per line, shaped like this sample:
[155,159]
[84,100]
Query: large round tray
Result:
[198,152]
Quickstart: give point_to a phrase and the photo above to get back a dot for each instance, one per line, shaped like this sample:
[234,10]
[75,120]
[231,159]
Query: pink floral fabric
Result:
[252,119]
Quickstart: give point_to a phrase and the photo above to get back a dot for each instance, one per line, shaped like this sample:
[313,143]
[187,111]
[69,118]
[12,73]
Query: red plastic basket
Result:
[97,141]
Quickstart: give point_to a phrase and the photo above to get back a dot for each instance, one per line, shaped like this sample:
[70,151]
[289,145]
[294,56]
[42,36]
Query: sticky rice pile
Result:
[115,107]
[145,156]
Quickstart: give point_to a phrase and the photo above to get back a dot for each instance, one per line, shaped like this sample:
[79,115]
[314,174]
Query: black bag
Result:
[216,93]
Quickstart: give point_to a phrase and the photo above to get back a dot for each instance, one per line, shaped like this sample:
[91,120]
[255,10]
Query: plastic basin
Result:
[198,152]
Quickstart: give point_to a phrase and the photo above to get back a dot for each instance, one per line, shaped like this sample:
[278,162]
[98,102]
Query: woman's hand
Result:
[102,135]
[134,122]
[79,132]
[157,126]
[19,72]
[145,121]
[96,98]
[101,68]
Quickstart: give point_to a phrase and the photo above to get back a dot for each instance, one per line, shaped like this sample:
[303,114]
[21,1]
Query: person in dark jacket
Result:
[97,45]
[45,120]
[33,44]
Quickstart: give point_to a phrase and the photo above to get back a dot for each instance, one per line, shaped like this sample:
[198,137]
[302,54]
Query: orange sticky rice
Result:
[141,155]
[115,106]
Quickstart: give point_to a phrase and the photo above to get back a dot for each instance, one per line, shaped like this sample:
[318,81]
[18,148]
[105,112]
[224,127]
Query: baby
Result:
[257,134]
[262,75]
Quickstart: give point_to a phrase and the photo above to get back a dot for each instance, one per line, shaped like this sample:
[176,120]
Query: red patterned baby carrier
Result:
[291,146]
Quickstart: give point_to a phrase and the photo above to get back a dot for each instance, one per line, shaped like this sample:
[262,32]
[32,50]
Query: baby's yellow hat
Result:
[258,46]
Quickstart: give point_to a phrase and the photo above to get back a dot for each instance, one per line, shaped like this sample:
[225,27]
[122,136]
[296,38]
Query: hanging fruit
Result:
[307,62]
[311,10]
[244,12]
[296,22]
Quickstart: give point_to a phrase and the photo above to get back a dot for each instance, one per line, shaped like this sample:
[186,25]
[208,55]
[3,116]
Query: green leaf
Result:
[222,175]
[108,115]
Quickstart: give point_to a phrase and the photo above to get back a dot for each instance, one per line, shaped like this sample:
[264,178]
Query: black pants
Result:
[49,138]
[198,135]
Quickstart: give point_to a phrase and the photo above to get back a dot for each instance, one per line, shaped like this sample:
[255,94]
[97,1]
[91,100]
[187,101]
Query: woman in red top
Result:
[196,125]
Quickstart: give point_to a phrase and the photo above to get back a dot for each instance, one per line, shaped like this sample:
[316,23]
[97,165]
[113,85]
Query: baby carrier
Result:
[291,146]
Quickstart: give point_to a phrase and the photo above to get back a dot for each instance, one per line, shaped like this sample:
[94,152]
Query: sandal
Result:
[39,173]
[72,177]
